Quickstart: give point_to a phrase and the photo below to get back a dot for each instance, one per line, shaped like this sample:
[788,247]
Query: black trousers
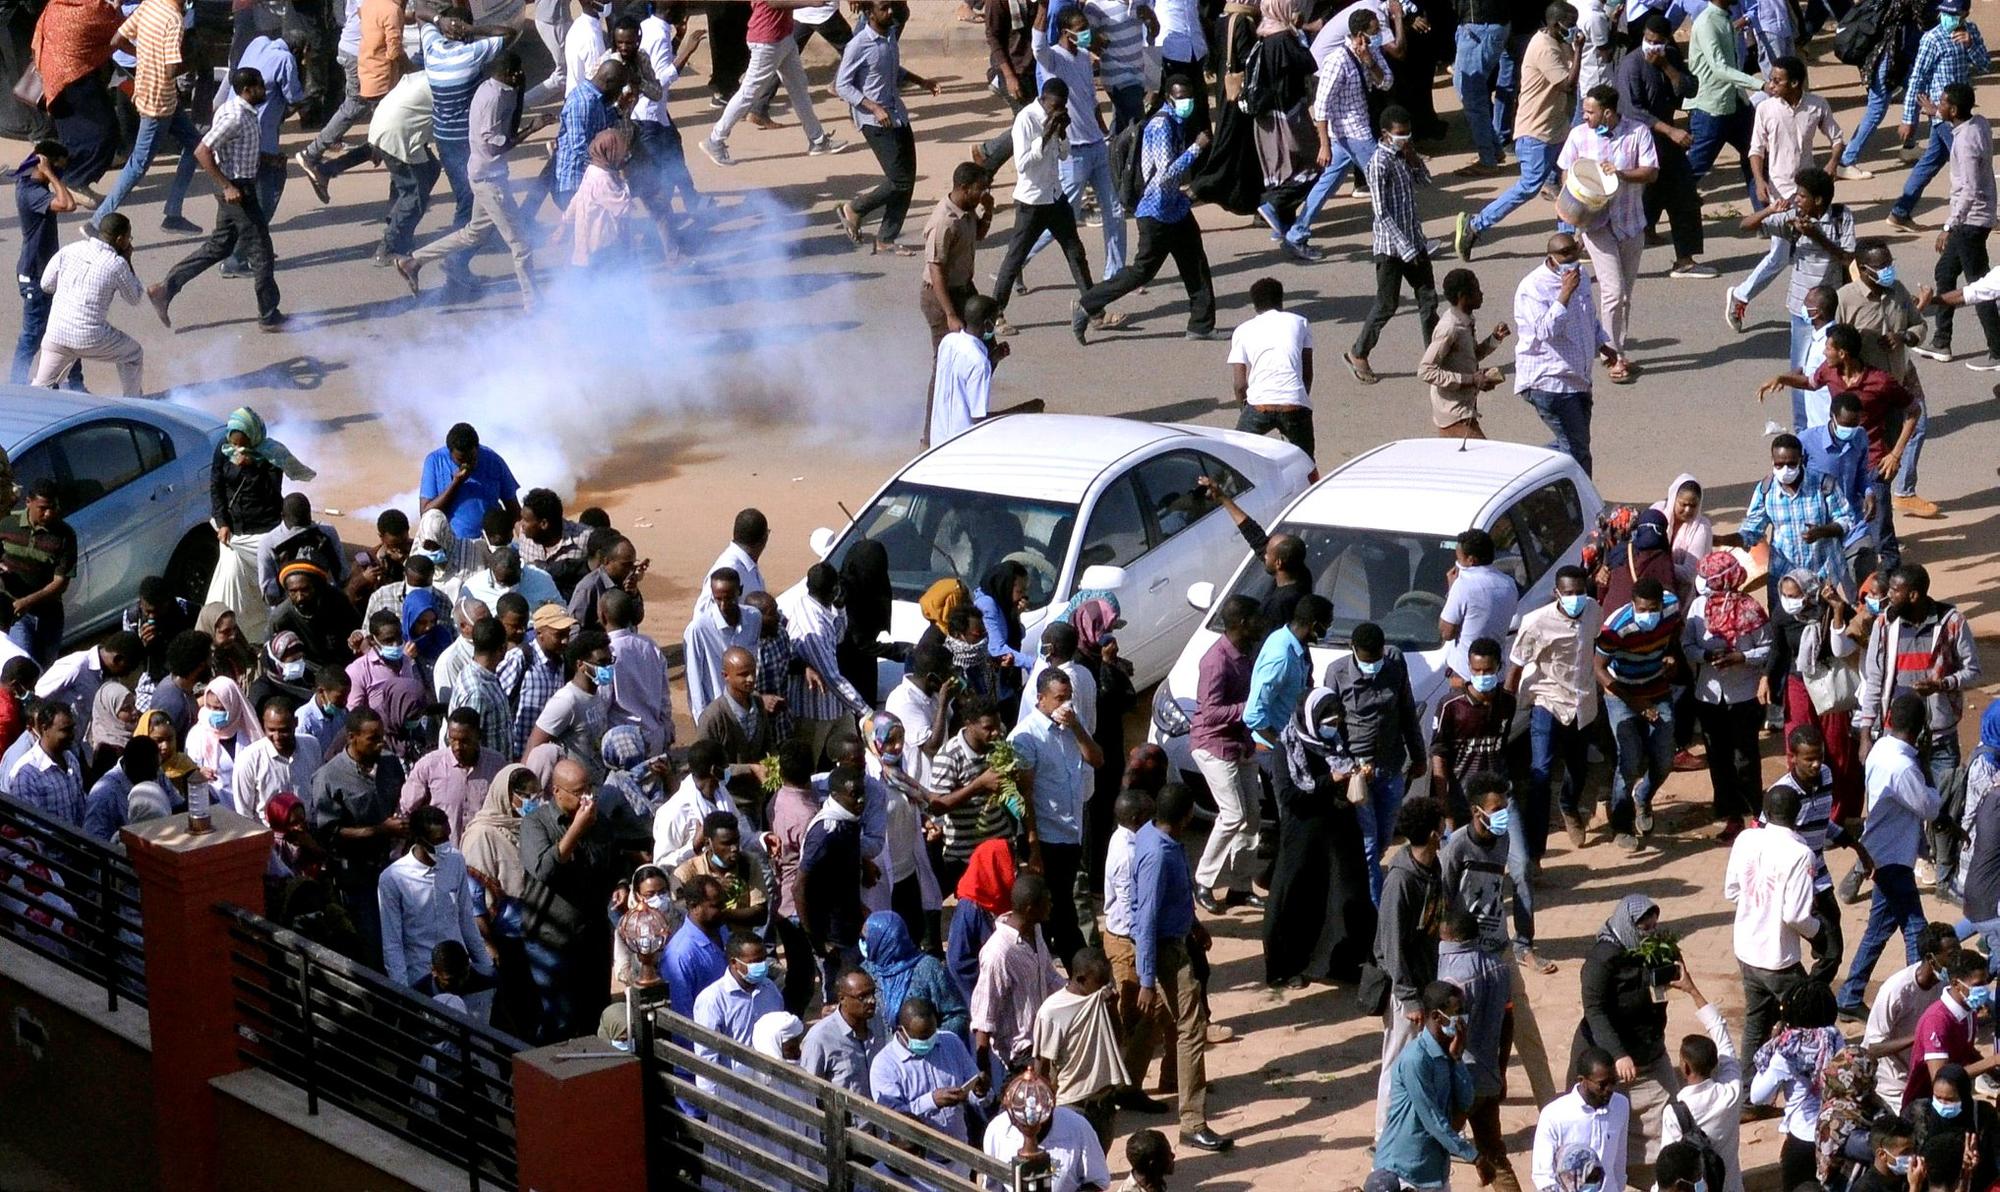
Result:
[1764,992]
[728,45]
[1675,193]
[1964,256]
[801,965]
[1030,221]
[1293,423]
[87,127]
[1830,943]
[896,149]
[1180,240]
[241,222]
[1060,863]
[1731,730]
[1390,274]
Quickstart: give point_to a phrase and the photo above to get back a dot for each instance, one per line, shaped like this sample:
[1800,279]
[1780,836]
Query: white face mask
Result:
[1788,474]
[1791,604]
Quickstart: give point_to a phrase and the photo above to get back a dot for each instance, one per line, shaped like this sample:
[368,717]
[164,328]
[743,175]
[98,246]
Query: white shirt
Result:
[1770,879]
[262,772]
[1082,692]
[1075,1156]
[444,672]
[1274,345]
[583,48]
[1118,882]
[1568,1120]
[1986,289]
[85,275]
[706,639]
[1180,38]
[73,679]
[678,822]
[735,557]
[1897,1007]
[963,390]
[1037,166]
[918,712]
[656,42]
[1716,1104]
[535,587]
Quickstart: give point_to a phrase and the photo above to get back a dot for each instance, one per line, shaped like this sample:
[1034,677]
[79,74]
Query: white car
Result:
[1082,502]
[1380,532]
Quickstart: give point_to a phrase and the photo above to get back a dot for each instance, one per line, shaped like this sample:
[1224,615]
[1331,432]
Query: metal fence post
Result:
[107,930]
[311,1032]
[468,1105]
[1033,1173]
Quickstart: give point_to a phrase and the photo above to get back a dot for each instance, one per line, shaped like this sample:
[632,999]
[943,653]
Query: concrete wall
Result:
[269,1141]
[76,1080]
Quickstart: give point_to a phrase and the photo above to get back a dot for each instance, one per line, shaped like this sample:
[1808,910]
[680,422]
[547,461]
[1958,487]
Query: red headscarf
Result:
[278,812]
[1729,613]
[989,877]
[71,40]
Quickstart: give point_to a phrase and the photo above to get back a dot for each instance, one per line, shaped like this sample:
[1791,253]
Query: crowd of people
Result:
[463,736]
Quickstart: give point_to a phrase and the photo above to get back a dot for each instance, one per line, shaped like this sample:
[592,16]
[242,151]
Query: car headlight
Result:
[1168,715]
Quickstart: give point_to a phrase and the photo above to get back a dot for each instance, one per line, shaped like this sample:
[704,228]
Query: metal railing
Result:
[765,1124]
[71,899]
[400,1061]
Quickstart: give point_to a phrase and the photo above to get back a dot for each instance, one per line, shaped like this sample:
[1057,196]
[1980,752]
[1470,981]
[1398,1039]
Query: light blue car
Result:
[134,478]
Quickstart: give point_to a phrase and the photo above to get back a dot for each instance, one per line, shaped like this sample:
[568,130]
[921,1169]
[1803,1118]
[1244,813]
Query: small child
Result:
[1151,1161]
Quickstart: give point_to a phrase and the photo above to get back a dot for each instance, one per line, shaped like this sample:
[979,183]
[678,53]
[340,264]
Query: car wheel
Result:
[193,563]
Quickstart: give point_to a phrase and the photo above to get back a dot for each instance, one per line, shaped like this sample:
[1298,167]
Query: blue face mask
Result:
[1604,130]
[759,970]
[1646,622]
[1947,1109]
[1874,604]
[1450,1028]
[921,1047]
[1568,266]
[1368,669]
[1484,683]
[436,556]
[1498,822]
[217,719]
[1843,433]
[1899,1165]
[1949,21]
[893,761]
[1572,606]
[1885,276]
[1979,997]
[1083,39]
[1181,108]
[864,949]
[530,806]
[390,653]
[1329,732]
[601,675]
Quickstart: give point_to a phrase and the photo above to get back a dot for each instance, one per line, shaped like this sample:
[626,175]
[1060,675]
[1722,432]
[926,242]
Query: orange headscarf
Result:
[989,877]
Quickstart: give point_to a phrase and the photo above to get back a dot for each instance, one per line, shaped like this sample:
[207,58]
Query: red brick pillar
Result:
[181,878]
[579,1124]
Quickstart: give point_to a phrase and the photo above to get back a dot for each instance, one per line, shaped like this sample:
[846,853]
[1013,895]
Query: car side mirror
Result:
[821,541]
[1101,577]
[1200,596]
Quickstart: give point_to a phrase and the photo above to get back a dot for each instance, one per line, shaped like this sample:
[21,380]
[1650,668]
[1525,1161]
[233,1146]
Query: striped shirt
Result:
[84,277]
[955,766]
[454,69]
[1392,183]
[529,677]
[1942,62]
[53,788]
[585,113]
[1813,265]
[1637,657]
[234,136]
[479,689]
[1120,44]
[1816,825]
[154,29]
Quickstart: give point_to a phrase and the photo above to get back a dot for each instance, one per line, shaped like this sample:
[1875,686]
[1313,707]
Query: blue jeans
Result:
[182,129]
[1896,905]
[1378,823]
[1645,755]
[1711,133]
[1346,151]
[1550,742]
[1937,152]
[35,307]
[39,633]
[1906,473]
[1888,548]
[1518,847]
[1871,119]
[454,158]
[1090,165]
[1567,415]
[1475,73]
[1538,163]
[1508,85]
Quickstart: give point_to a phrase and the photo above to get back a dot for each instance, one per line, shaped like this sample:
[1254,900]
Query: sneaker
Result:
[1644,821]
[309,166]
[1984,364]
[233,271]
[717,152]
[1209,334]
[179,223]
[1573,824]
[383,257]
[1304,254]
[1694,269]
[1933,352]
[1626,841]
[1733,310]
[1853,174]
[1079,323]
[1915,506]
[827,143]
[277,320]
[1903,222]
[1463,237]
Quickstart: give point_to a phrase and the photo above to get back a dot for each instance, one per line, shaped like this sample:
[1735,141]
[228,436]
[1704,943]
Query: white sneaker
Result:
[1733,309]
[827,143]
[1983,364]
[717,152]
[1942,355]
[1853,174]
[1697,270]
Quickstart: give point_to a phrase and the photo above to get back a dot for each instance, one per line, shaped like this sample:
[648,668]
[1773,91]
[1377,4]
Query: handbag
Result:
[1372,995]
[28,88]
[1835,689]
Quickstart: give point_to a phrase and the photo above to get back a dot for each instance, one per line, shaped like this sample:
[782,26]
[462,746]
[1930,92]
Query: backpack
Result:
[1713,1172]
[1128,164]
[1859,32]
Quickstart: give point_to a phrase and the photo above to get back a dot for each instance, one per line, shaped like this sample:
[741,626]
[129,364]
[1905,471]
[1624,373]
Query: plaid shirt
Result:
[1392,183]
[774,676]
[1940,63]
[568,547]
[480,689]
[1342,99]
[1784,518]
[585,113]
[235,137]
[530,681]
[1165,159]
[85,276]
[54,790]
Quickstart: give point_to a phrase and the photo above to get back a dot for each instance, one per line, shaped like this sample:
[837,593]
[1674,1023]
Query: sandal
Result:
[1621,373]
[1360,369]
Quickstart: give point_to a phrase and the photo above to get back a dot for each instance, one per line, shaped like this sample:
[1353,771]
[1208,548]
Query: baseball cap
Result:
[553,616]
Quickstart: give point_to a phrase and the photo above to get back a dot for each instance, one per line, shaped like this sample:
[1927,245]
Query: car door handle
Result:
[1159,583]
[165,490]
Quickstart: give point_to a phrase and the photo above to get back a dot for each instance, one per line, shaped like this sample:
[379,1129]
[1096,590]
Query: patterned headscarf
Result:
[1574,1163]
[1730,614]
[1622,928]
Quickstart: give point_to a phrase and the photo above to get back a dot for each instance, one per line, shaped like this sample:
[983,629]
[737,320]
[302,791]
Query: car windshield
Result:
[931,533]
[1395,580]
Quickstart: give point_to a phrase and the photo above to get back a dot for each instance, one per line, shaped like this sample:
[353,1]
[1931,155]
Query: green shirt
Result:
[33,556]
[1712,58]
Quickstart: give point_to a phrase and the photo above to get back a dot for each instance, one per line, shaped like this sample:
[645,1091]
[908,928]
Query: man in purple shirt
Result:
[1223,753]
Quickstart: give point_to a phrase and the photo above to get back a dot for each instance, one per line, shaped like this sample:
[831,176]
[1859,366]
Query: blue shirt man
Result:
[733,1004]
[1429,1086]
[1162,898]
[693,961]
[905,1082]
[1838,450]
[465,480]
[585,113]
[282,89]
[1279,677]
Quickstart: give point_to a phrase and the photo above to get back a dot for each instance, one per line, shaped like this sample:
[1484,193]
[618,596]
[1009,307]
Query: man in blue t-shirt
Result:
[39,196]
[465,480]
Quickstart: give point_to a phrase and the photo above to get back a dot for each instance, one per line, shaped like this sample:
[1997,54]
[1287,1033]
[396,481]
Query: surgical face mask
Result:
[601,675]
[1083,38]
[1899,1164]
[1604,130]
[1947,1109]
[1653,49]
[657,901]
[1886,275]
[1329,732]
[1182,108]
[1701,1185]
[864,949]
[1498,822]
[1701,585]
[1646,621]
[759,970]
[1568,266]
[1843,433]
[1791,604]
[1396,140]
[893,760]
[435,556]
[1368,669]
[1949,21]
[1979,997]
[531,805]
[1484,683]
[1572,606]
[294,670]
[217,719]
[1451,1026]
[1874,605]
[921,1047]
[1787,474]
[390,653]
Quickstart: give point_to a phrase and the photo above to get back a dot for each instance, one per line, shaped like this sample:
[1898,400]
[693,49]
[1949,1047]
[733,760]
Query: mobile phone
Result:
[967,1086]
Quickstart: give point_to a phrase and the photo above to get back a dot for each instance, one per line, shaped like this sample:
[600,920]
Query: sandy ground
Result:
[786,371]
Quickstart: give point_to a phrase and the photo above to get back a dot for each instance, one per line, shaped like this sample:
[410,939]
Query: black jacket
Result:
[1618,1014]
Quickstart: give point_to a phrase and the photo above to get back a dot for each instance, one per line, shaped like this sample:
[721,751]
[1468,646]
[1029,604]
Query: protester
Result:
[1561,335]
